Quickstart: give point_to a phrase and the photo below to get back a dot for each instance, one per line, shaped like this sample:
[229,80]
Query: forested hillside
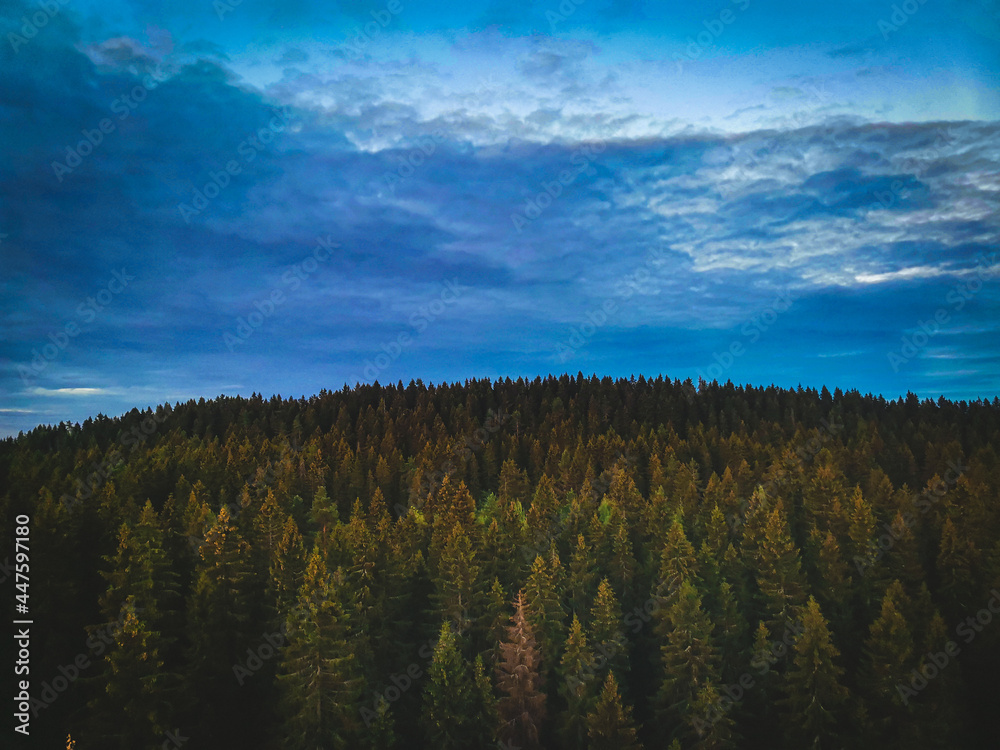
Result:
[562,563]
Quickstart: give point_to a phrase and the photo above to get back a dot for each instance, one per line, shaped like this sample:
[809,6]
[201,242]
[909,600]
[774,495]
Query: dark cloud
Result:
[690,236]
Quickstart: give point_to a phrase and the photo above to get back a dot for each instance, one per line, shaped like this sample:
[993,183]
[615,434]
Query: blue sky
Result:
[228,198]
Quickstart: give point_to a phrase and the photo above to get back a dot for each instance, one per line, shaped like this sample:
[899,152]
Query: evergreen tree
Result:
[484,713]
[318,681]
[450,719]
[456,585]
[890,657]
[522,707]
[223,617]
[609,725]
[382,731]
[606,635]
[134,683]
[813,708]
[677,562]
[544,507]
[577,672]
[690,666]
[544,610]
[580,583]
[779,574]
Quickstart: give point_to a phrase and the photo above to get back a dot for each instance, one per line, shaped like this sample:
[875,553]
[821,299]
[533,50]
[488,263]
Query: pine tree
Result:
[606,635]
[580,583]
[484,714]
[609,725]
[779,574]
[522,707]
[133,684]
[450,718]
[677,562]
[890,657]
[815,697]
[690,665]
[577,673]
[544,610]
[223,614]
[456,583]
[318,681]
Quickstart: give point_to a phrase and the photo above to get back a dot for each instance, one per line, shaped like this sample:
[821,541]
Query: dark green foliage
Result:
[609,725]
[822,549]
[319,681]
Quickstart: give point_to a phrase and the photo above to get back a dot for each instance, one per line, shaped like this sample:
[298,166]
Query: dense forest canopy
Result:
[567,562]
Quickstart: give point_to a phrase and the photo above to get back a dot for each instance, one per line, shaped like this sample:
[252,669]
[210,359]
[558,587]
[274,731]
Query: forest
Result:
[564,562]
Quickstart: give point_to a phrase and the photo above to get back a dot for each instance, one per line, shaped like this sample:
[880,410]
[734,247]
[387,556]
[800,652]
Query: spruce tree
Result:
[134,684]
[580,582]
[779,574]
[610,725]
[690,665]
[522,707]
[224,616]
[456,587]
[450,718]
[815,698]
[606,635]
[678,562]
[890,657]
[319,684]
[545,611]
[576,671]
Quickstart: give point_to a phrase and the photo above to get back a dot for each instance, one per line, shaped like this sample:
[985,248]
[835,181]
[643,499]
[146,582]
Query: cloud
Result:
[71,391]
[541,189]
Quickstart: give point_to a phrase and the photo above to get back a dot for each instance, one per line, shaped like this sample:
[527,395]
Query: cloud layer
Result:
[183,214]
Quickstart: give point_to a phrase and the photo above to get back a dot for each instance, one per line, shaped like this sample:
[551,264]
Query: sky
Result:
[229,197]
